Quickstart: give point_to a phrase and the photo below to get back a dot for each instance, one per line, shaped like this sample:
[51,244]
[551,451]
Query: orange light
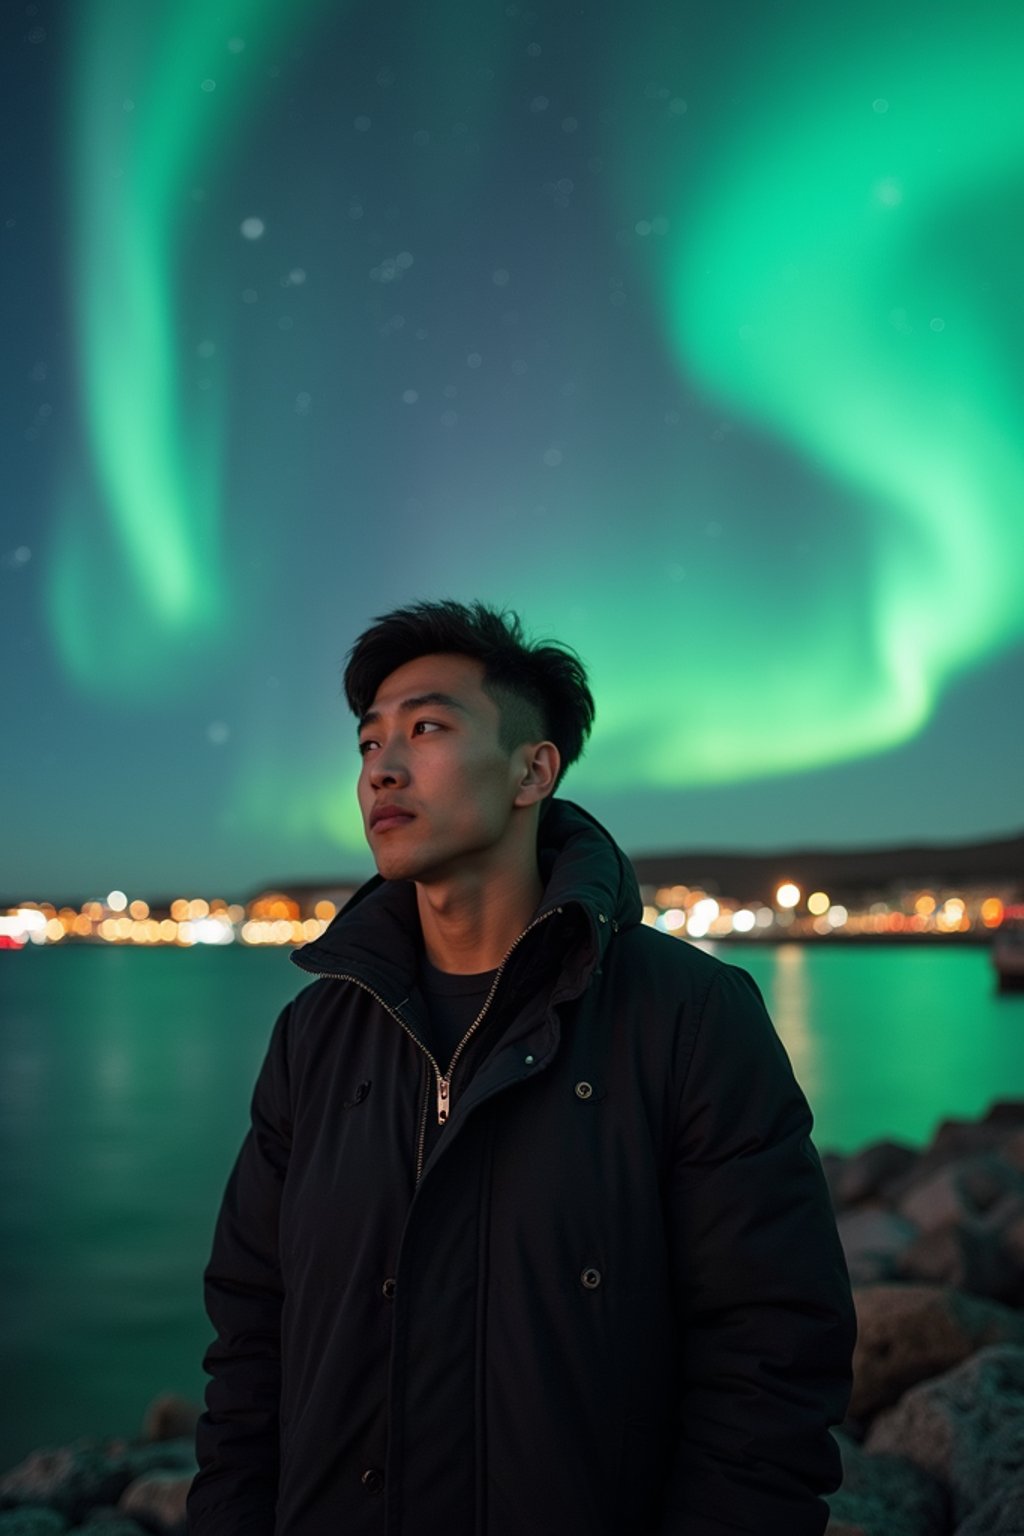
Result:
[992,912]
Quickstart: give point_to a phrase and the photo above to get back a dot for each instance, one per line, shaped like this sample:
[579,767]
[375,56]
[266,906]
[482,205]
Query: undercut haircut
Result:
[540,688]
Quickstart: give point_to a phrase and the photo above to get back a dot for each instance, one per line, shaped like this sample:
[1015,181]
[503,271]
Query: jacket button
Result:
[388,1288]
[591,1278]
[584,1091]
[372,1480]
[601,917]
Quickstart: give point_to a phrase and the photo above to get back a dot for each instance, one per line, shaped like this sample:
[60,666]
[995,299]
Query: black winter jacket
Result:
[612,1302]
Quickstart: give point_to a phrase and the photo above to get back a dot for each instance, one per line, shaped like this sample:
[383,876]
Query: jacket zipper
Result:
[444,1084]
[444,1080]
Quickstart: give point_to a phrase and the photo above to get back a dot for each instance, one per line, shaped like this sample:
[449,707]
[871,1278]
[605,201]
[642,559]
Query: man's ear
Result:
[540,771]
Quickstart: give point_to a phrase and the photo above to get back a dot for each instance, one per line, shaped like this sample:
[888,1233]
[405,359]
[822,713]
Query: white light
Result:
[817,903]
[210,930]
[787,894]
[743,920]
[253,229]
[837,916]
[704,913]
[117,901]
[30,920]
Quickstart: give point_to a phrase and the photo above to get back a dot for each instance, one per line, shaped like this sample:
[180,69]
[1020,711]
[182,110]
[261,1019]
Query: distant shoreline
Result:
[835,940]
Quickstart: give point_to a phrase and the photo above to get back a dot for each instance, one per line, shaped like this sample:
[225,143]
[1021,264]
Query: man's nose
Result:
[387,768]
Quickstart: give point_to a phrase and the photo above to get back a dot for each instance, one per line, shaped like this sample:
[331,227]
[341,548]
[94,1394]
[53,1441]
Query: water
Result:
[125,1078]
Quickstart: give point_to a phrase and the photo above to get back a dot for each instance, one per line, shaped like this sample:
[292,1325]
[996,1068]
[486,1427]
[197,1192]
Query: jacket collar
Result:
[375,937]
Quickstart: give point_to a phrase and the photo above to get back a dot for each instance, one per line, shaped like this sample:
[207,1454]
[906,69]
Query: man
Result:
[528,1237]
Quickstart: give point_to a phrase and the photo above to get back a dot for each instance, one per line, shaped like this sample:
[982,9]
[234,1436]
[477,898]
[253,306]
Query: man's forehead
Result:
[458,677]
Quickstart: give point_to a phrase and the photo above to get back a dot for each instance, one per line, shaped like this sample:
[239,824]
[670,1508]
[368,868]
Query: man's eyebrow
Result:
[444,699]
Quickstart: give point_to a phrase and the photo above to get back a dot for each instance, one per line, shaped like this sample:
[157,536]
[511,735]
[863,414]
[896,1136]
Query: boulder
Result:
[158,1499]
[1011,1150]
[959,1191]
[832,1164]
[74,1480]
[1005,1114]
[170,1417]
[1002,1513]
[32,1522]
[887,1496]
[909,1333]
[872,1241]
[977,1253]
[70,1479]
[964,1428]
[867,1173]
[109,1522]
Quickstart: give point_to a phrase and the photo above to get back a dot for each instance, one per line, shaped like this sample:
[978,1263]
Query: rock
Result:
[954,1141]
[161,1456]
[908,1333]
[965,1428]
[872,1242]
[887,1496]
[1011,1150]
[959,1191]
[71,1479]
[832,1164]
[32,1522]
[868,1172]
[1002,1514]
[977,1254]
[1005,1113]
[170,1417]
[75,1479]
[108,1522]
[158,1498]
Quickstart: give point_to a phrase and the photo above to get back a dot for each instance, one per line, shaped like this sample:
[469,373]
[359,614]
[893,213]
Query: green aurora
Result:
[839,277]
[825,248]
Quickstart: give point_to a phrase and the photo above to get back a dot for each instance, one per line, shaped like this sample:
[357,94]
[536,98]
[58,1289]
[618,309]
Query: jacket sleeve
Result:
[234,1493]
[766,1313]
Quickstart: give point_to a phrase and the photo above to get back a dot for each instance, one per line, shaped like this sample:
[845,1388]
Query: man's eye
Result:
[371,742]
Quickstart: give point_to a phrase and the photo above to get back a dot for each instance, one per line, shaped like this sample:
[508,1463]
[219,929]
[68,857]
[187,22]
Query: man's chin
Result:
[394,864]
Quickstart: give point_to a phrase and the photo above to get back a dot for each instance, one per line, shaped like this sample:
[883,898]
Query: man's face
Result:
[441,763]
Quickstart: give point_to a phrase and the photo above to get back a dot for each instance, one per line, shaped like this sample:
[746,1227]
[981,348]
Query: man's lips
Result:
[381,820]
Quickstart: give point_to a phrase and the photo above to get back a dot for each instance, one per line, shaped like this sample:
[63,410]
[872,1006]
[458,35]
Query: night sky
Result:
[693,333]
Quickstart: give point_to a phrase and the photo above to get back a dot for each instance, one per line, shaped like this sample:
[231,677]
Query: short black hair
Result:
[540,688]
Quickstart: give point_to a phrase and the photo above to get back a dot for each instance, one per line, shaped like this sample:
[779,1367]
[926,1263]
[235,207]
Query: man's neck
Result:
[469,924]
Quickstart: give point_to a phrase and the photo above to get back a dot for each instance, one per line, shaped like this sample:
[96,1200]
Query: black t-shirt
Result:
[452,1003]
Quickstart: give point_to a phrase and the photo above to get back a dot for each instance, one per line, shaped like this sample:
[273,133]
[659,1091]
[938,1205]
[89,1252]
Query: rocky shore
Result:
[934,1441]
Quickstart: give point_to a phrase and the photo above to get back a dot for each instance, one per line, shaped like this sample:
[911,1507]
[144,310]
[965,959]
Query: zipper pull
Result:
[443,1088]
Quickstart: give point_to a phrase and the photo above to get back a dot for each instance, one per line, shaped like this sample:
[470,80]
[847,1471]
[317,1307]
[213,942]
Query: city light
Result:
[676,910]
